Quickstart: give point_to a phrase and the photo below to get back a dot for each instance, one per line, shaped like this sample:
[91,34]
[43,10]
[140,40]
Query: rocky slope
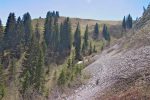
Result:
[123,67]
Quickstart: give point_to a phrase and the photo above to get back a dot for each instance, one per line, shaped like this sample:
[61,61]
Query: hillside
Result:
[83,22]
[57,57]
[121,72]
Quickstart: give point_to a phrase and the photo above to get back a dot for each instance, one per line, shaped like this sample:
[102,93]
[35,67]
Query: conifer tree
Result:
[85,41]
[90,49]
[67,30]
[18,39]
[39,71]
[55,36]
[27,29]
[33,67]
[47,28]
[61,39]
[77,42]
[65,37]
[57,13]
[29,65]
[105,33]
[124,23]
[96,31]
[86,37]
[10,32]
[129,22]
[1,27]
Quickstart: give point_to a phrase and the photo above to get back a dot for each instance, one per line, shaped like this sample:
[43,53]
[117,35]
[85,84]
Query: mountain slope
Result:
[83,22]
[121,72]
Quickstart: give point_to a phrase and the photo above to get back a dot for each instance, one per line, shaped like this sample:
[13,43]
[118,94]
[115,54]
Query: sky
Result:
[88,9]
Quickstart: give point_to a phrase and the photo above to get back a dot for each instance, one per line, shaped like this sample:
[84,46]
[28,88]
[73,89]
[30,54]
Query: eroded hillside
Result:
[121,72]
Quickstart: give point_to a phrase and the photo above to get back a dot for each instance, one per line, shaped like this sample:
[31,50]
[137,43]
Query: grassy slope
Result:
[114,27]
[83,23]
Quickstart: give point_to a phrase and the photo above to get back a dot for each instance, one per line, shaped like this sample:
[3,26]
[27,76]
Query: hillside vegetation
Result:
[62,58]
[83,22]
[43,58]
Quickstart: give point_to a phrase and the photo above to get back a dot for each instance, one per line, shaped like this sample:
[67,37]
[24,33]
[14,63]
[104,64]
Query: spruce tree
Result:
[1,27]
[85,41]
[124,23]
[96,31]
[57,13]
[77,42]
[86,37]
[55,35]
[27,29]
[18,40]
[29,65]
[67,30]
[9,35]
[33,67]
[129,22]
[61,40]
[65,37]
[48,29]
[39,71]
[105,33]
[90,49]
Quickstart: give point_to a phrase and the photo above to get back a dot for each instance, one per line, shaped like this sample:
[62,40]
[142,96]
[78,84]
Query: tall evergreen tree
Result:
[129,22]
[18,40]
[55,35]
[90,49]
[96,31]
[39,71]
[1,27]
[48,29]
[77,42]
[27,29]
[33,67]
[57,13]
[105,33]
[61,39]
[65,36]
[10,31]
[124,23]
[85,41]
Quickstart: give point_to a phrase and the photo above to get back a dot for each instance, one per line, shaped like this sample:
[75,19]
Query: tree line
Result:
[127,22]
